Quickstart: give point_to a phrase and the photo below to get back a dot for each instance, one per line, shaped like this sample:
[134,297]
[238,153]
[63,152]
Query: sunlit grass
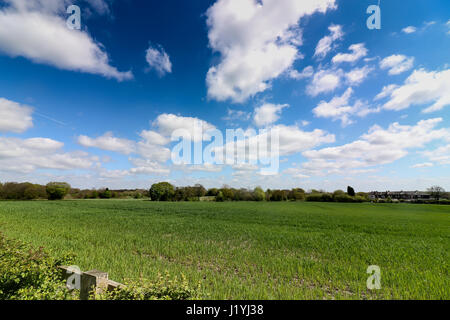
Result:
[250,250]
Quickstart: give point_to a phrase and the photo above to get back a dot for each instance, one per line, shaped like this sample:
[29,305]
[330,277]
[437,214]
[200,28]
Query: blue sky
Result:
[95,107]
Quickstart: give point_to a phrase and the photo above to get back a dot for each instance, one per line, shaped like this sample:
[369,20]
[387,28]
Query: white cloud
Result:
[33,29]
[147,166]
[108,142]
[325,44]
[268,113]
[324,81]
[159,60]
[295,173]
[358,51]
[239,115]
[14,117]
[378,147]
[339,108]
[257,42]
[307,72]
[409,30]
[397,64]
[440,155]
[27,155]
[422,165]
[294,140]
[358,75]
[155,138]
[422,87]
[386,91]
[168,123]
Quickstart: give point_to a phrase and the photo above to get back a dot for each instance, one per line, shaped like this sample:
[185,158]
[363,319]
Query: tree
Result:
[436,192]
[162,191]
[105,194]
[296,194]
[350,191]
[57,190]
[259,194]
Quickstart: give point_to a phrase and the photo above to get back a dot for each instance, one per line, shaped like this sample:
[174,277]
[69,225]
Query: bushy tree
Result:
[162,191]
[259,194]
[105,194]
[57,190]
[296,194]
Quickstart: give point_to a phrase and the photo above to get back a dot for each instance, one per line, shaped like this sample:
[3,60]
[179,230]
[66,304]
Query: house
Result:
[400,195]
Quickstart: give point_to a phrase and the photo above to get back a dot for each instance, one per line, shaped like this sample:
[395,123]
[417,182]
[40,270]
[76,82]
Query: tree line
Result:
[164,191]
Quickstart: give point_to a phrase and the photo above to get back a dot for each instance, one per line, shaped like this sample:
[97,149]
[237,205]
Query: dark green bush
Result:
[57,190]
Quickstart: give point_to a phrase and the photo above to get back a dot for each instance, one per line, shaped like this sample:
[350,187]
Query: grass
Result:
[250,250]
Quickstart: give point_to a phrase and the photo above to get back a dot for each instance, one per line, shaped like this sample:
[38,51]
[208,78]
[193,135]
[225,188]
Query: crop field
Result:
[249,250]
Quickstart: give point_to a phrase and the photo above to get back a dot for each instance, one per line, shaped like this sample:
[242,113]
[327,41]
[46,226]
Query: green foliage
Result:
[105,194]
[259,194]
[162,191]
[22,191]
[164,288]
[29,274]
[57,190]
[220,197]
[296,194]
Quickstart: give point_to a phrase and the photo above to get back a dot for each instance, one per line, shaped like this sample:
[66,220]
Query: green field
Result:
[249,250]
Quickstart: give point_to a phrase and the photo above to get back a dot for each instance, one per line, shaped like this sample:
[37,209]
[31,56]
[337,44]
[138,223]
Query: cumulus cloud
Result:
[440,155]
[358,75]
[325,45]
[28,155]
[397,64]
[378,147]
[257,42]
[307,72]
[324,81]
[339,108]
[168,123]
[108,142]
[158,60]
[148,166]
[14,117]
[420,88]
[34,30]
[358,51]
[268,113]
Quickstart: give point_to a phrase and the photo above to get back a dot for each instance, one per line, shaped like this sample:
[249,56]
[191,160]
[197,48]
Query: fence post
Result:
[93,281]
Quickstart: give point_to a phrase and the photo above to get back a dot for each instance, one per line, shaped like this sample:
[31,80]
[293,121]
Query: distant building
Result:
[400,195]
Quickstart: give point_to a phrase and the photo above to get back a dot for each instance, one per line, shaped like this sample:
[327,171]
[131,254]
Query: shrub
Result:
[162,191]
[317,197]
[57,190]
[343,198]
[29,274]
